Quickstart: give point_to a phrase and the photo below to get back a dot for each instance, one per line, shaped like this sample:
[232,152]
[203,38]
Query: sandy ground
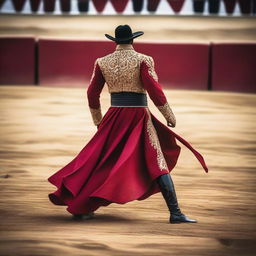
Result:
[156,28]
[43,128]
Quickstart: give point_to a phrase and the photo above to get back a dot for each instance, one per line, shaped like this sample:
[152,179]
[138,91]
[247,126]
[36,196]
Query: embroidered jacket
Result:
[126,70]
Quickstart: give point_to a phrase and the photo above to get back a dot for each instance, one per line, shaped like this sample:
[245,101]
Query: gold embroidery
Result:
[167,113]
[96,115]
[121,69]
[154,141]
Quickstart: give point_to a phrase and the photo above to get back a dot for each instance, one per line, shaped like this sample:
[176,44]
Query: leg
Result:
[168,191]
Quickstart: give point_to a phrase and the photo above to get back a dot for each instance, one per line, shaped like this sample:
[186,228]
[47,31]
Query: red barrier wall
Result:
[179,65]
[69,62]
[17,60]
[233,67]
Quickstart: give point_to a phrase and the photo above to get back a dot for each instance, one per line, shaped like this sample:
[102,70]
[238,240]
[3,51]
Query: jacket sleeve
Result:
[150,82]
[93,93]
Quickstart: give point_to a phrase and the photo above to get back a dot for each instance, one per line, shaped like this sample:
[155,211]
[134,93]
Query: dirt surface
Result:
[43,128]
[156,28]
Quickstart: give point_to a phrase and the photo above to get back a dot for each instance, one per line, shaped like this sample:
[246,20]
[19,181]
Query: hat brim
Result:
[134,35]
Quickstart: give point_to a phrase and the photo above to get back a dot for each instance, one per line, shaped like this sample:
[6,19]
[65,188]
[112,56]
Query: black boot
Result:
[168,191]
[86,216]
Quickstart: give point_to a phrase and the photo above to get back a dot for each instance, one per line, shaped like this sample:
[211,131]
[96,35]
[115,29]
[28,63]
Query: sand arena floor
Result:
[43,128]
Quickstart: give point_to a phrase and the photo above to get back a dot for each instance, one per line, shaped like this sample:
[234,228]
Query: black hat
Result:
[124,33]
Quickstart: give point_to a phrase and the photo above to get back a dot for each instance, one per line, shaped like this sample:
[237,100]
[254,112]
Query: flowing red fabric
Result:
[118,164]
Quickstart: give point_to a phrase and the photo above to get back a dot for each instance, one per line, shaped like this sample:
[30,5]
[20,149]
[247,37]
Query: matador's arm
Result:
[93,93]
[154,89]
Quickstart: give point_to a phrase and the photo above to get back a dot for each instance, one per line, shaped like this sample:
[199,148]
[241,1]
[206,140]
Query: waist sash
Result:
[123,99]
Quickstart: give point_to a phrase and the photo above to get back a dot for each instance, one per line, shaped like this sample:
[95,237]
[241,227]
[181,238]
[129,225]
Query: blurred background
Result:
[196,44]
